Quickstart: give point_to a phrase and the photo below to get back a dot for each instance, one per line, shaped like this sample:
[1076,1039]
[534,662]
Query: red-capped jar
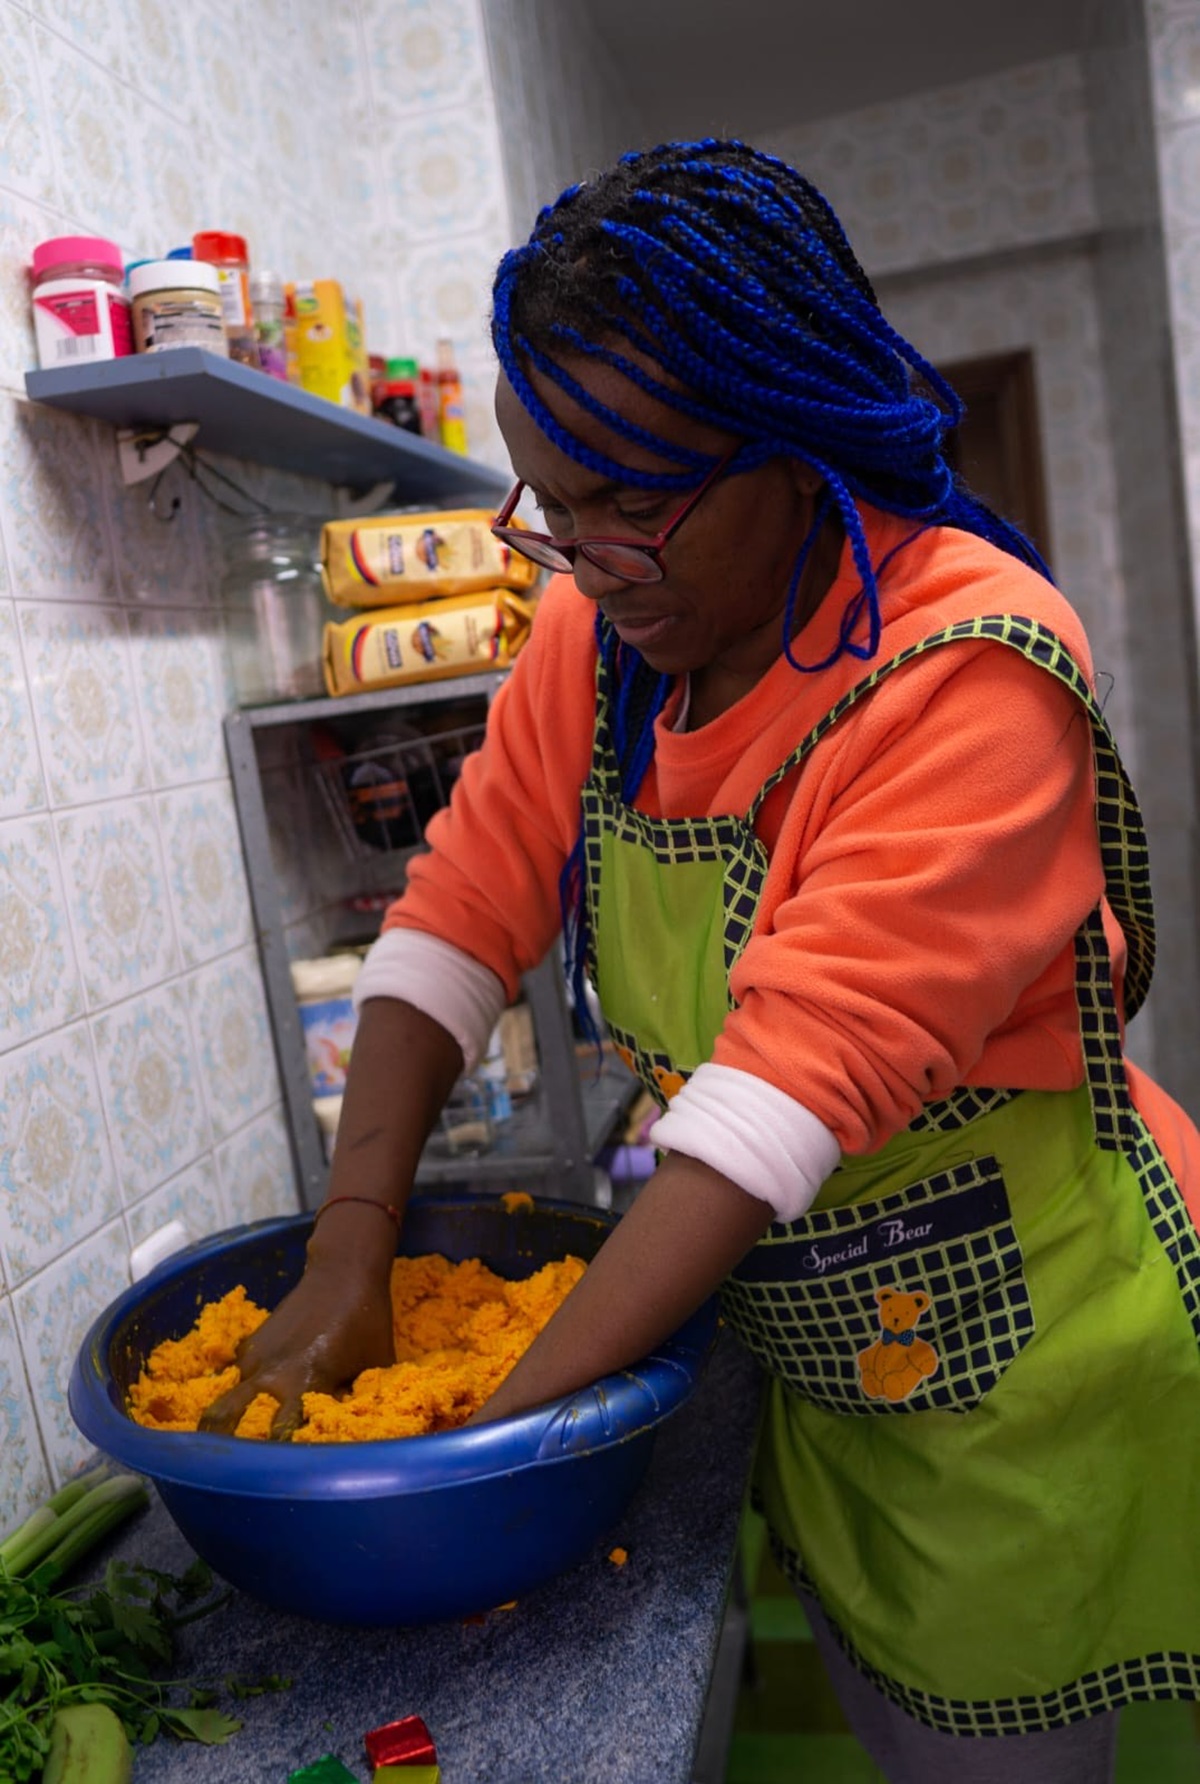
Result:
[231,257]
[80,308]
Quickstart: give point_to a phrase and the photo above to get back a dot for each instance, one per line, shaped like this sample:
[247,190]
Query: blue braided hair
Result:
[730,272]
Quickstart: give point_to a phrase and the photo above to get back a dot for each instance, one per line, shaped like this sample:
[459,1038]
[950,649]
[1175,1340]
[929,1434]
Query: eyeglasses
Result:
[631,559]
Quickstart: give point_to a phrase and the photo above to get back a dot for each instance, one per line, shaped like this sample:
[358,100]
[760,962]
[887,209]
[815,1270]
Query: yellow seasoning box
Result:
[328,342]
[394,558]
[426,642]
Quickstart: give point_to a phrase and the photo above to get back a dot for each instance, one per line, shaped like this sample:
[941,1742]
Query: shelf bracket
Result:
[145,452]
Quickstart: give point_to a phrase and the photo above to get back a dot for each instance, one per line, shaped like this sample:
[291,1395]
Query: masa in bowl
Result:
[402,1530]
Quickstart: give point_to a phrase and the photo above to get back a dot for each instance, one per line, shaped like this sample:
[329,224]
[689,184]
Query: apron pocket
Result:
[911,1303]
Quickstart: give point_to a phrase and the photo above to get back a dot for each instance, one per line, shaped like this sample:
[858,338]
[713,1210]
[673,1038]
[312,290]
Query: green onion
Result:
[73,1521]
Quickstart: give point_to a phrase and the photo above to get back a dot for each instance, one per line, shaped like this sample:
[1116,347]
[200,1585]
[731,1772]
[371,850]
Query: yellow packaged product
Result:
[393,558]
[427,642]
[328,342]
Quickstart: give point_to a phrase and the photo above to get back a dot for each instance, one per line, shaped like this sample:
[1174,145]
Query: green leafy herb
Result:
[102,1644]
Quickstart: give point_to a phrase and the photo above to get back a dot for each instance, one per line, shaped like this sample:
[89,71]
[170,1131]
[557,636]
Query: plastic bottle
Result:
[427,403]
[451,422]
[396,395]
[267,303]
[80,310]
[231,257]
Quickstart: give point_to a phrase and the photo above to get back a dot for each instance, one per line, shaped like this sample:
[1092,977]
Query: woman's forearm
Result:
[683,1235]
[402,1069]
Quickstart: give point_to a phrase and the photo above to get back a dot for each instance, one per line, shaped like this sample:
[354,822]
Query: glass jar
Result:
[274,608]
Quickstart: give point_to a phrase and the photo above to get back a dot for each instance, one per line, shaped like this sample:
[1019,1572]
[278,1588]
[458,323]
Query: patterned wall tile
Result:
[228,1013]
[21,785]
[88,122]
[39,983]
[180,674]
[447,291]
[208,882]
[117,891]
[52,504]
[442,174]
[193,1198]
[54,1312]
[57,1182]
[425,53]
[257,1178]
[24,1479]
[156,1118]
[79,670]
[991,165]
[26,159]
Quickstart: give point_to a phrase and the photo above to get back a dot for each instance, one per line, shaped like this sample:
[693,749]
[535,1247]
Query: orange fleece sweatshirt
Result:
[928,868]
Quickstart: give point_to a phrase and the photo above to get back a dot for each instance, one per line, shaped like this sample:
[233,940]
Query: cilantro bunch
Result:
[109,1643]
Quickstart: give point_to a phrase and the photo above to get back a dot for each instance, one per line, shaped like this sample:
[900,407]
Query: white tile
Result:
[52,504]
[57,1182]
[25,1478]
[179,669]
[116,888]
[26,161]
[256,1170]
[88,121]
[157,53]
[440,173]
[77,658]
[54,1312]
[228,1014]
[156,1118]
[21,786]
[448,291]
[424,53]
[204,860]
[193,1198]
[39,982]
[97,27]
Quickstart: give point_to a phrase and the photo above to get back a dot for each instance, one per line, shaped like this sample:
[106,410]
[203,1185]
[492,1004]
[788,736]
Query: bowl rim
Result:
[618,1408]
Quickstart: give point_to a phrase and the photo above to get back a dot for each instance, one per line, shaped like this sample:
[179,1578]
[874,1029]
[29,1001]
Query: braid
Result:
[726,269]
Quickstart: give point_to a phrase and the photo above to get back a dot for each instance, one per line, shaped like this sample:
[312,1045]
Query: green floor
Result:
[789,1729]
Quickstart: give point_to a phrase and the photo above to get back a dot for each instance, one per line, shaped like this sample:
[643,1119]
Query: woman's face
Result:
[721,603]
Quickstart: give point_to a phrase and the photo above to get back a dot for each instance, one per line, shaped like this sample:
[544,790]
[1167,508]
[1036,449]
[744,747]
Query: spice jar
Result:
[231,257]
[267,304]
[274,608]
[176,303]
[80,310]
[396,395]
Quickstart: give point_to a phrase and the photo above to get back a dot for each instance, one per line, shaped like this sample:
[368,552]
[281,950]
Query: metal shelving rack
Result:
[577,1104]
[221,406]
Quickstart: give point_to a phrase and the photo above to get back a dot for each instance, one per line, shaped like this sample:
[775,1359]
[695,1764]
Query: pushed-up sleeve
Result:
[923,894]
[488,883]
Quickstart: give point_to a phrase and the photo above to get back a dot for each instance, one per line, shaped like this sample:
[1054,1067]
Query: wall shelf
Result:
[249,415]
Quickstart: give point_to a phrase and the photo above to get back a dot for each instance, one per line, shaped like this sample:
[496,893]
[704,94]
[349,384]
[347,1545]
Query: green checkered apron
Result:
[980,1448]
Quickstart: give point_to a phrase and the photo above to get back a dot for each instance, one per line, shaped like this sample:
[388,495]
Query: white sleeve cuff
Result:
[764,1140]
[439,979]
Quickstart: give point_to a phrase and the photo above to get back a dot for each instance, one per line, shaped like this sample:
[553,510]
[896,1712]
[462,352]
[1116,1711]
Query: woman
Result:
[806,740]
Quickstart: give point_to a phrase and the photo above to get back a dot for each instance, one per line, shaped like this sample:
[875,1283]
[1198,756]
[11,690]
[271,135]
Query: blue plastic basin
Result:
[401,1530]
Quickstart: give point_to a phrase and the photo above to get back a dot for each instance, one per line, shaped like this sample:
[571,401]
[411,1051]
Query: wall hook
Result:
[144,452]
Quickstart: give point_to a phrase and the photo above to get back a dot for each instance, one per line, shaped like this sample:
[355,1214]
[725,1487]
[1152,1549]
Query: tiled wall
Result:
[137,1080]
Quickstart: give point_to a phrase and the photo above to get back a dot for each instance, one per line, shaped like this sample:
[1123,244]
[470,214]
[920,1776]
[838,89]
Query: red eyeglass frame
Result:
[520,538]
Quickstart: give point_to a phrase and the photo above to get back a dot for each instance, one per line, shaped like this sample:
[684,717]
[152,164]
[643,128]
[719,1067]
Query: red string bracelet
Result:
[368,1201]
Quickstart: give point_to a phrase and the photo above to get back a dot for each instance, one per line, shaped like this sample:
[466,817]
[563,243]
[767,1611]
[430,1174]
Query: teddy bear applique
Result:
[898,1361]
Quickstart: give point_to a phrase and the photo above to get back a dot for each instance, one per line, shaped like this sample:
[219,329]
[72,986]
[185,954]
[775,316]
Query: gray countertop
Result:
[598,1678]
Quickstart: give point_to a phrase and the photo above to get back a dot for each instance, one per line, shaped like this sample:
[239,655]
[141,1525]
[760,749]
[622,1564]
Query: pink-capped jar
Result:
[80,307]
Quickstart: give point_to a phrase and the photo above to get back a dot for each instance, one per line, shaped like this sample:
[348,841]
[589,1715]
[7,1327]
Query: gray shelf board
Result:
[251,416]
[422,693]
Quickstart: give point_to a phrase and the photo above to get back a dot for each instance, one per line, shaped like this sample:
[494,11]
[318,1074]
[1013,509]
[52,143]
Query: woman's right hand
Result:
[335,1323]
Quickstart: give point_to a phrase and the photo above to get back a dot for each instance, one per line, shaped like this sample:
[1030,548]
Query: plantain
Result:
[88,1746]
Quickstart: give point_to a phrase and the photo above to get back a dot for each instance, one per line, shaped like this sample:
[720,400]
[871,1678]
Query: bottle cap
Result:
[402,368]
[219,246]
[67,250]
[266,288]
[183,253]
[174,275]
